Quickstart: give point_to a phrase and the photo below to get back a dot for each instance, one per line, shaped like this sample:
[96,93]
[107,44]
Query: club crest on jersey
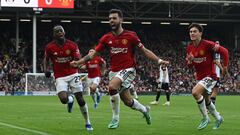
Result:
[55,53]
[201,52]
[124,41]
[67,52]
[110,42]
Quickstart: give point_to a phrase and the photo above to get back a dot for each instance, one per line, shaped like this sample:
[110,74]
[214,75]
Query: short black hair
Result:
[118,11]
[196,25]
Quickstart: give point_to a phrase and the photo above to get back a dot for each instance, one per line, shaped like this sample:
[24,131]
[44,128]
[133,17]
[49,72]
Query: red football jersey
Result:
[203,58]
[62,56]
[93,67]
[122,49]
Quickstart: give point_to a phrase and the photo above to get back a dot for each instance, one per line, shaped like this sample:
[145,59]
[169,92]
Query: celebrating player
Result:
[95,68]
[61,51]
[200,56]
[122,45]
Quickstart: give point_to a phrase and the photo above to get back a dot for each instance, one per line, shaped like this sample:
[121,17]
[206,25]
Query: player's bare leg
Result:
[134,104]
[197,93]
[84,109]
[214,94]
[65,98]
[93,92]
[114,85]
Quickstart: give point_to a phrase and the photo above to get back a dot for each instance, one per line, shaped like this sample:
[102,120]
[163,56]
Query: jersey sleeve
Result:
[136,41]
[101,45]
[76,52]
[216,48]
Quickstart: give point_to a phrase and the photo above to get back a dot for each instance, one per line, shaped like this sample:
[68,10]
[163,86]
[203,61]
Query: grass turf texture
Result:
[48,115]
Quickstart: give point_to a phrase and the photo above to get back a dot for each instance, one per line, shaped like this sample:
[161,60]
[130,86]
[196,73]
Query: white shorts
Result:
[126,75]
[208,83]
[95,80]
[69,83]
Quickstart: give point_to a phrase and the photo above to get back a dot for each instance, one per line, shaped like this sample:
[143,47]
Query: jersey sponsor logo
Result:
[67,52]
[63,59]
[93,66]
[199,60]
[124,41]
[118,50]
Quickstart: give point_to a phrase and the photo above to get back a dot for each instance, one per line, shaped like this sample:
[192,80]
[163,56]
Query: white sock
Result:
[115,103]
[85,114]
[202,107]
[138,106]
[135,94]
[70,99]
[213,111]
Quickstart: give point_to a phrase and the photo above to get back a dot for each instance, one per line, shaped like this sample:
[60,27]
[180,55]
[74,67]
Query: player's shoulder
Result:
[71,42]
[51,44]
[129,32]
[207,42]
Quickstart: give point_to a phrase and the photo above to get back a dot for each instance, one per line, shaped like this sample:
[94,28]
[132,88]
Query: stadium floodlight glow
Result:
[183,23]
[203,24]
[86,21]
[127,22]
[5,20]
[146,22]
[25,20]
[46,21]
[66,21]
[104,21]
[165,23]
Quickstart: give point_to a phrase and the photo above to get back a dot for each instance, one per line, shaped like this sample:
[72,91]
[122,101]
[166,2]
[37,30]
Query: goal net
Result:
[38,84]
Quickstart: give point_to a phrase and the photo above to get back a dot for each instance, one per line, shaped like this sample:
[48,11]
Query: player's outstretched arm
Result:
[152,56]
[84,59]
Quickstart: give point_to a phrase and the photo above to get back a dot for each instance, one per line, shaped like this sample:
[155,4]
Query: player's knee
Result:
[194,93]
[128,102]
[81,102]
[64,100]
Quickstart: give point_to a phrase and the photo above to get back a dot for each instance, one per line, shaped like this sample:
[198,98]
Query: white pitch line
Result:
[25,129]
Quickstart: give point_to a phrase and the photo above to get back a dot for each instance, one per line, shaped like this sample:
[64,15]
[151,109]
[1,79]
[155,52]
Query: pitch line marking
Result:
[24,129]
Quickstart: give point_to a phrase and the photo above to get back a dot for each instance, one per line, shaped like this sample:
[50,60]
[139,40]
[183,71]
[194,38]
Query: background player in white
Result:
[163,84]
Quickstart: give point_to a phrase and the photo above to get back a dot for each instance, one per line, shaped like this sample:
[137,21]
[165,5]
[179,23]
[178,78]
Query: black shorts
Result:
[165,86]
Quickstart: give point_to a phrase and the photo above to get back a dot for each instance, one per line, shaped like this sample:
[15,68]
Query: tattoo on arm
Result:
[87,58]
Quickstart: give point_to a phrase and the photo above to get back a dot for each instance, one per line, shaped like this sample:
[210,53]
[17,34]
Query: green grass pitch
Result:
[48,115]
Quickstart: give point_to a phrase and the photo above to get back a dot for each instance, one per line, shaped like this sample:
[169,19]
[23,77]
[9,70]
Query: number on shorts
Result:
[77,79]
[208,82]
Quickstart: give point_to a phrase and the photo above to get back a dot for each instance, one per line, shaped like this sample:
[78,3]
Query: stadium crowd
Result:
[13,66]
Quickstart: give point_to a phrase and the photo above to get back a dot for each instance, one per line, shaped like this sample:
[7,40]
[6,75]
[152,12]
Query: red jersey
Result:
[203,58]
[62,56]
[93,67]
[121,47]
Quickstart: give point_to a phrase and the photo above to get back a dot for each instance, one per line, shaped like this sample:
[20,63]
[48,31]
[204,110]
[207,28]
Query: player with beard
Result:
[200,56]
[61,52]
[122,45]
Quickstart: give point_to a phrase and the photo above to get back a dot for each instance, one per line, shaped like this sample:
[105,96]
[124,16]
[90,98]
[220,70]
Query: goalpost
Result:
[38,84]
